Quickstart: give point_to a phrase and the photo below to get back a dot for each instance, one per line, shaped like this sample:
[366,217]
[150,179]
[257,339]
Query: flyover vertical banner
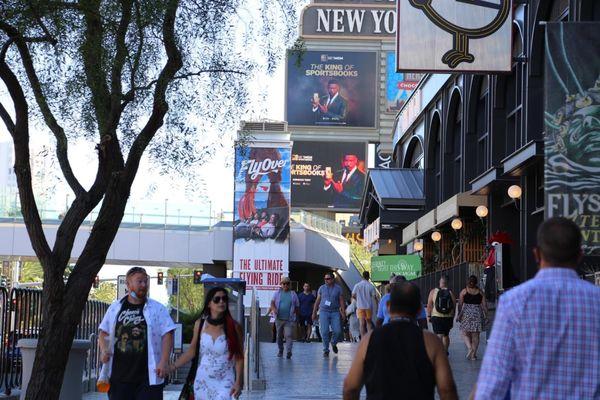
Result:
[572,120]
[261,218]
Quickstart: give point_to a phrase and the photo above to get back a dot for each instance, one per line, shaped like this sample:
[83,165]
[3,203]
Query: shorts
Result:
[364,313]
[442,325]
[305,320]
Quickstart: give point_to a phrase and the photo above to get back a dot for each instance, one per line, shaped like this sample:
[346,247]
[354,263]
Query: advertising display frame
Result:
[391,69]
[374,86]
[264,273]
[571,167]
[378,274]
[457,69]
[315,207]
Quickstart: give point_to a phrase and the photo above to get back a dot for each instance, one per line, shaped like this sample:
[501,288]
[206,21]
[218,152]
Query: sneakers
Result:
[288,355]
[326,353]
[334,347]
[280,354]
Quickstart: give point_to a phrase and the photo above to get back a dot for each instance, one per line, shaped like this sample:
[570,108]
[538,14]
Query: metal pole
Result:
[178,291]
[166,202]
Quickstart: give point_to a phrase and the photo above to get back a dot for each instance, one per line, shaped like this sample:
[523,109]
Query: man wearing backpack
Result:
[440,311]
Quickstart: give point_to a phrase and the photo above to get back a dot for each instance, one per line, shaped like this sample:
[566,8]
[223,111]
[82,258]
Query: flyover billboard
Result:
[261,218]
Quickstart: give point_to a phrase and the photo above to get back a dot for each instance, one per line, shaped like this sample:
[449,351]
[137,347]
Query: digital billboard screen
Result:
[332,88]
[328,175]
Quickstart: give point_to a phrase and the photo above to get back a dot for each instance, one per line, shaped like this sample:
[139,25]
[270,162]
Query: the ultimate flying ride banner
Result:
[261,218]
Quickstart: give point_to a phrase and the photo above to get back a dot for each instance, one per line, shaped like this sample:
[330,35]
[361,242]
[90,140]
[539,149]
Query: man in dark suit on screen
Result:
[346,185]
[334,108]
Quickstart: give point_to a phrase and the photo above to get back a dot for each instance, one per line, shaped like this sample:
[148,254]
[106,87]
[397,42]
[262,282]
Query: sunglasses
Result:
[328,279]
[218,299]
[285,283]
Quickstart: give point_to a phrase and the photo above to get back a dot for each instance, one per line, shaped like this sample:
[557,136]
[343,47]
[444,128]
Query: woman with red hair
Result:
[217,343]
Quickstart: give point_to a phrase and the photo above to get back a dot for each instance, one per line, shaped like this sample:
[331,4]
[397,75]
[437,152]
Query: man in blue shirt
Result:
[383,316]
[332,310]
[284,307]
[556,354]
[307,301]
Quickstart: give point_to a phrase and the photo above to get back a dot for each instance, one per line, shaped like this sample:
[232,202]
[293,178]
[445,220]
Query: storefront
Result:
[479,140]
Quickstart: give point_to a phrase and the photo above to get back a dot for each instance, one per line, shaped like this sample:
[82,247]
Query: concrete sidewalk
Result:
[310,376]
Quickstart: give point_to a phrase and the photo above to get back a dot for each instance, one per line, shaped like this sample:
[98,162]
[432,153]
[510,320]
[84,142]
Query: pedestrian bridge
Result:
[313,241]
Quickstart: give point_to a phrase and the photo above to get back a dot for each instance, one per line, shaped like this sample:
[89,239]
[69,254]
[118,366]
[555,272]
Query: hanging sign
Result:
[572,135]
[454,35]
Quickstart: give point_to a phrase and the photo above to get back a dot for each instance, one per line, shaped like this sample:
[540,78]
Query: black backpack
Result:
[443,301]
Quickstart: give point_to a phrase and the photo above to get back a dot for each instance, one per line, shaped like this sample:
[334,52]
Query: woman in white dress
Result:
[218,340]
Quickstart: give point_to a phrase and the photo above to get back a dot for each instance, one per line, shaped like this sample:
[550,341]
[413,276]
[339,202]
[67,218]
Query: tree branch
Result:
[20,135]
[134,66]
[149,85]
[160,105]
[59,133]
[43,26]
[93,60]
[118,63]
[10,124]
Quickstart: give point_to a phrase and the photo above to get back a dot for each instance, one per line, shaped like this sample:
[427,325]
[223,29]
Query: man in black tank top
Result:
[399,360]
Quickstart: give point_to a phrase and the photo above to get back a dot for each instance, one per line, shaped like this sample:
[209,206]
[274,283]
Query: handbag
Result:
[187,392]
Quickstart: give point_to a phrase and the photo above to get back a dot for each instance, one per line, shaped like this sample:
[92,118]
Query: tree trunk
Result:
[62,305]
[61,315]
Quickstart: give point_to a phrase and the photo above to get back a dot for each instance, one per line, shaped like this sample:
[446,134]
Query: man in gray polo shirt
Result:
[330,304]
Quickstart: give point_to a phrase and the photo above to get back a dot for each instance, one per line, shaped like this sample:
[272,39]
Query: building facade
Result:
[475,137]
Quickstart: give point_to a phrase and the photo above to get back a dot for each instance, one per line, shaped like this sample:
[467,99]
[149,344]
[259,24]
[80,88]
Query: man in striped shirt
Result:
[545,341]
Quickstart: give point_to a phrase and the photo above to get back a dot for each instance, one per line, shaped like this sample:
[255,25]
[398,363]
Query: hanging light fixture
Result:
[436,236]
[456,224]
[418,246]
[481,211]
[515,192]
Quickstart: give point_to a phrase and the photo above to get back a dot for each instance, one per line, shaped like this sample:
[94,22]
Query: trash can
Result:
[72,386]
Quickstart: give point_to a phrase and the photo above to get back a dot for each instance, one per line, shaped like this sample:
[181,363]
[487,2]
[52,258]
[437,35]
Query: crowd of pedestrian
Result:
[554,355]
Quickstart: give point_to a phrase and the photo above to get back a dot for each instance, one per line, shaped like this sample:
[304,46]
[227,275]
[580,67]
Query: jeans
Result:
[284,329]
[327,320]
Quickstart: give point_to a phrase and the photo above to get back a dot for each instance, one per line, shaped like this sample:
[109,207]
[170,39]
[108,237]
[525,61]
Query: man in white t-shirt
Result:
[365,295]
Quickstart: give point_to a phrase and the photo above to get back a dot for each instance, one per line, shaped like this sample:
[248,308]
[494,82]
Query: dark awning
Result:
[395,190]
[399,187]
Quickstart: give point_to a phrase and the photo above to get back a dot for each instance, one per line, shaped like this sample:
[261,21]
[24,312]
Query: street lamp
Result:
[515,192]
[482,211]
[456,224]
[418,246]
[436,236]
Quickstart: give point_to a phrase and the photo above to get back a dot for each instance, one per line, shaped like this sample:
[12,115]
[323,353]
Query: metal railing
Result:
[154,215]
[456,277]
[318,223]
[21,318]
[252,373]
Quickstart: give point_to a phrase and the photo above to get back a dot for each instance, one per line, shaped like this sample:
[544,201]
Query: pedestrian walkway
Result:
[310,376]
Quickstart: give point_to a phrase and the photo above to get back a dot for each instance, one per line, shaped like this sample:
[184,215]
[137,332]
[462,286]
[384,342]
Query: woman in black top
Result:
[399,360]
[472,311]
